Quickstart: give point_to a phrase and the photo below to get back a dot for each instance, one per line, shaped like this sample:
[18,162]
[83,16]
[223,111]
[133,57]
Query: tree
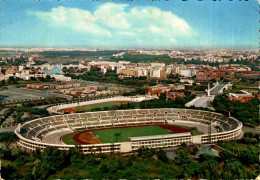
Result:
[248,157]
[53,159]
[162,96]
[75,153]
[162,156]
[183,145]
[194,151]
[145,152]
[38,171]
[225,155]
[17,116]
[2,83]
[7,138]
[152,83]
[7,170]
[33,78]
[183,157]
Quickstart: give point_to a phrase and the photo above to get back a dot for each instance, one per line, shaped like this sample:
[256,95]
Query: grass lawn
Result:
[122,134]
[233,146]
[67,139]
[89,107]
[26,82]
[195,132]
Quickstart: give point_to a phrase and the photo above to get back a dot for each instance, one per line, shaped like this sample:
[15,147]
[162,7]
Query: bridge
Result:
[219,88]
[205,101]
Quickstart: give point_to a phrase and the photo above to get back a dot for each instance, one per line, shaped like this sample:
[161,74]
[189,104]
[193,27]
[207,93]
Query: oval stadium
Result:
[127,130]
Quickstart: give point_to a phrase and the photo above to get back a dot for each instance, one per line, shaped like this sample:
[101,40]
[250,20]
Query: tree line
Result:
[247,112]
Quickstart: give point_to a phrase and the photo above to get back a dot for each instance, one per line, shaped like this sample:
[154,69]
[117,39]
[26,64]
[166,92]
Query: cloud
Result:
[120,24]
[112,15]
[76,19]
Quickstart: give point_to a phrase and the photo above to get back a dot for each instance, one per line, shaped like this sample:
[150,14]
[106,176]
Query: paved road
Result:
[215,91]
[208,150]
[204,149]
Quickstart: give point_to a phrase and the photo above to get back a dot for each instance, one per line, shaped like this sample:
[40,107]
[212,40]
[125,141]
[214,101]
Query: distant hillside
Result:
[77,54]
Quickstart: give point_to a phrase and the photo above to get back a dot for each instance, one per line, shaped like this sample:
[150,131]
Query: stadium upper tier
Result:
[32,133]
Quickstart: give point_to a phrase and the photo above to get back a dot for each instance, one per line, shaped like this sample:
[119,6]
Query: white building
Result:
[59,77]
[156,73]
[187,72]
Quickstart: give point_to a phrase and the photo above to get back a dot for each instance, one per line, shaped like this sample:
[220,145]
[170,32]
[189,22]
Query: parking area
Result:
[19,94]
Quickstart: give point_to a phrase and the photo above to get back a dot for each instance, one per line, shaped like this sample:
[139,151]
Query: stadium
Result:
[113,131]
[57,109]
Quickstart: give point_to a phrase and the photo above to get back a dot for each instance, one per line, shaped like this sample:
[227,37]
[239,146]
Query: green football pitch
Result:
[102,105]
[122,134]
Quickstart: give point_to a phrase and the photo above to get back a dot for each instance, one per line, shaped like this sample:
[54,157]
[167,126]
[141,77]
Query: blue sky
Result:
[129,24]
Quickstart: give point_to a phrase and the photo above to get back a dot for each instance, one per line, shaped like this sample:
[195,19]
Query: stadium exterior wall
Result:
[33,144]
